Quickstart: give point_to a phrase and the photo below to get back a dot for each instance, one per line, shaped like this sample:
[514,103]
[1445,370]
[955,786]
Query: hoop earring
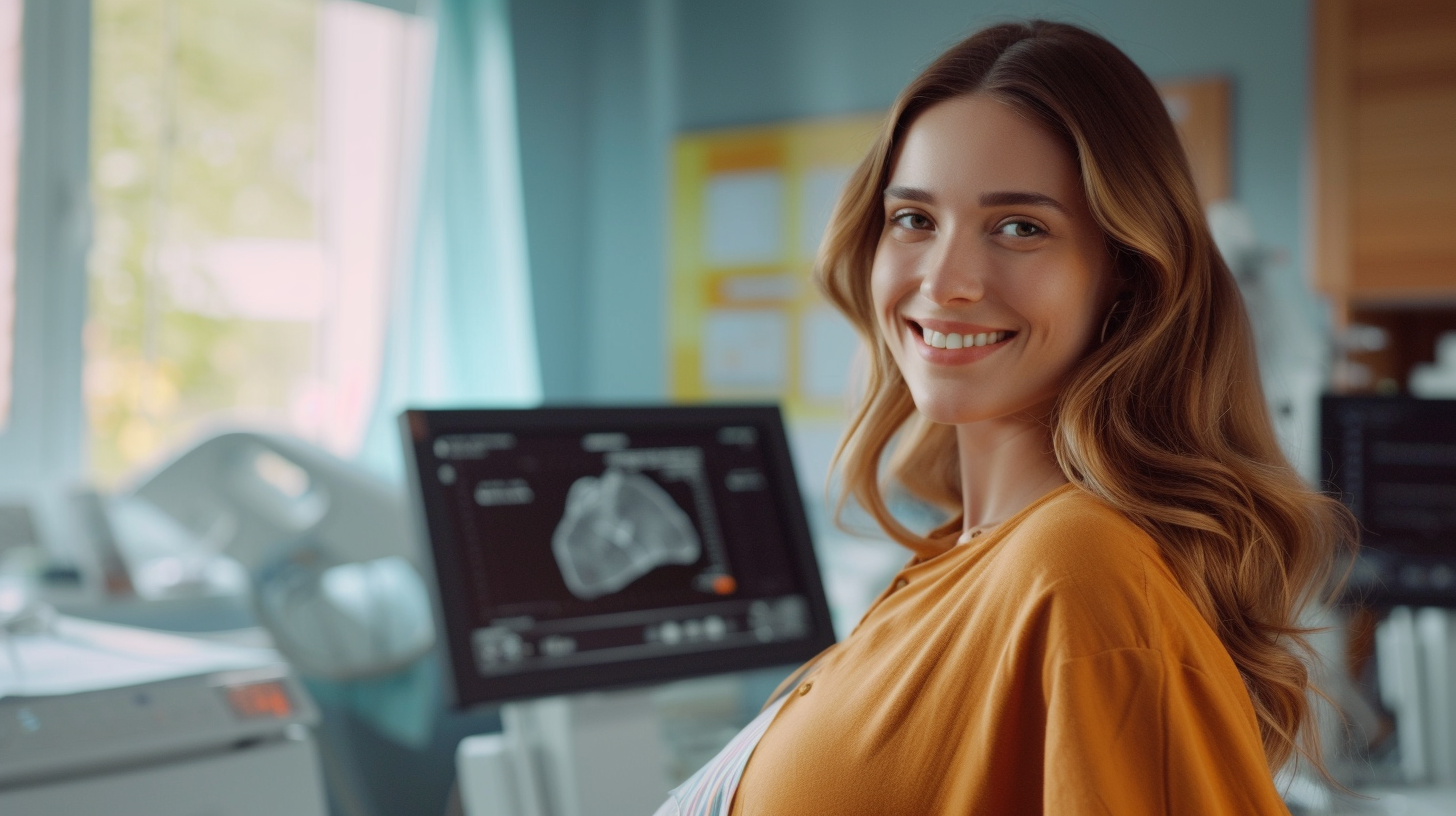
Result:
[1107,321]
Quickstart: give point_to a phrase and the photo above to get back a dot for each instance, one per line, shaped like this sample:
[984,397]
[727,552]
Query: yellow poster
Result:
[749,208]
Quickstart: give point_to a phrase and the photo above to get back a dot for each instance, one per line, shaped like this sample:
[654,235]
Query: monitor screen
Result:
[586,548]
[1392,461]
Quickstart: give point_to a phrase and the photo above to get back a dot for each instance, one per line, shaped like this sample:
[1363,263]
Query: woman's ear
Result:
[1117,314]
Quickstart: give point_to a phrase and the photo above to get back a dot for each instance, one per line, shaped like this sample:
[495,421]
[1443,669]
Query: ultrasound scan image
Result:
[618,527]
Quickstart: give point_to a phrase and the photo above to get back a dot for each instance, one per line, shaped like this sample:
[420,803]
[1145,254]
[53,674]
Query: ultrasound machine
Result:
[581,554]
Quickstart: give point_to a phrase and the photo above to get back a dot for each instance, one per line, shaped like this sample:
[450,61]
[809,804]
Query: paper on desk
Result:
[81,655]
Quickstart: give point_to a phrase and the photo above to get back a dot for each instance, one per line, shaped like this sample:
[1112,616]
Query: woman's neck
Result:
[1006,464]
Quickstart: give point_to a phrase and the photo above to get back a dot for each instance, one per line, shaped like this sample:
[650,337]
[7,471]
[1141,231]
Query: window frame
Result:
[41,446]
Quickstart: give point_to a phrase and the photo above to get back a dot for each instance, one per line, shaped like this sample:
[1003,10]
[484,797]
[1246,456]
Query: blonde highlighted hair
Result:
[1165,420]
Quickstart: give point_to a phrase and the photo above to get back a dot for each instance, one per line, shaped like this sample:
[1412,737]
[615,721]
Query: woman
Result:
[1109,623]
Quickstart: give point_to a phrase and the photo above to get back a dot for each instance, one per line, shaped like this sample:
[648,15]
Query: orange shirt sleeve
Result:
[1130,732]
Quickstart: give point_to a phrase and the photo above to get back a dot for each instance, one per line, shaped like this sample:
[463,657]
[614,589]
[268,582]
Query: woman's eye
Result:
[1020,229]
[912,220]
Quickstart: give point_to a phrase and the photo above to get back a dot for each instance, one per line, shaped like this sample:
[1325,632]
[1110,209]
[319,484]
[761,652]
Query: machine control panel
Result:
[51,736]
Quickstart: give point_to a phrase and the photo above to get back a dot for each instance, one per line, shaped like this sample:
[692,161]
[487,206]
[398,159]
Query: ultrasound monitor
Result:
[1392,461]
[579,549]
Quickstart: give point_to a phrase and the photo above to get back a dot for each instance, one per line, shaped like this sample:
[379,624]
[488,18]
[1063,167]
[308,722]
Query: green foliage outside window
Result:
[203,130]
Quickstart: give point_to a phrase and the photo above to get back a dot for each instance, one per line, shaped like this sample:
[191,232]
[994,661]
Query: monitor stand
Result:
[595,754]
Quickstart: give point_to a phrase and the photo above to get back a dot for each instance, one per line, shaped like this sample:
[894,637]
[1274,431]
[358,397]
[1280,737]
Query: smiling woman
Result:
[1109,621]
[978,242]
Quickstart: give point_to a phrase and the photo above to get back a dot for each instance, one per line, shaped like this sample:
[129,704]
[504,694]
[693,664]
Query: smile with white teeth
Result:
[935,339]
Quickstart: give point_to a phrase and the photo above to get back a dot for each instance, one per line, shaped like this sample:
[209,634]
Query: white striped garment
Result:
[709,792]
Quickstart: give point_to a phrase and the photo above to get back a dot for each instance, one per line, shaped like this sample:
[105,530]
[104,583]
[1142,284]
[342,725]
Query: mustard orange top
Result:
[1051,666]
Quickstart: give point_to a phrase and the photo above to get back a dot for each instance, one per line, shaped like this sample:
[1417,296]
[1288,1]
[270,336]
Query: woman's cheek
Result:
[881,297]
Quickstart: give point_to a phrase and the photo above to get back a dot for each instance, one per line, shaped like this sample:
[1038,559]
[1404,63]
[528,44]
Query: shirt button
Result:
[804,689]
[901,584]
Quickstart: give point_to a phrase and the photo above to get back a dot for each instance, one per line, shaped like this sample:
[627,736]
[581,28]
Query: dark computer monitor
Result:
[586,548]
[1392,461]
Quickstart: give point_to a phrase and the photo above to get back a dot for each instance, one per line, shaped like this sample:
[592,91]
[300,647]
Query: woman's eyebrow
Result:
[997,199]
[1015,199]
[910,194]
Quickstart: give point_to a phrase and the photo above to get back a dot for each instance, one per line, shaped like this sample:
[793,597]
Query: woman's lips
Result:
[955,348]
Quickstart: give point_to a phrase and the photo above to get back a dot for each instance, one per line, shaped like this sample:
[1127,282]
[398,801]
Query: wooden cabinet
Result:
[1385,150]
[1385,168]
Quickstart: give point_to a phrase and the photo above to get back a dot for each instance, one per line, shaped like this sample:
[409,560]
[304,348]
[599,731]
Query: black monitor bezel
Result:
[464,688]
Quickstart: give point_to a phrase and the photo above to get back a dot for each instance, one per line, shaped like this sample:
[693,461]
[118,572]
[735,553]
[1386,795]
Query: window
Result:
[248,170]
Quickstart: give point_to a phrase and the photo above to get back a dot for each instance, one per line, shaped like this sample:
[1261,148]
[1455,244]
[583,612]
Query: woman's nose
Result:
[954,271]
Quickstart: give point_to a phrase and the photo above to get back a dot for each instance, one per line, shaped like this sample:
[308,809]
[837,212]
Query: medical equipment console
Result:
[1392,461]
[579,549]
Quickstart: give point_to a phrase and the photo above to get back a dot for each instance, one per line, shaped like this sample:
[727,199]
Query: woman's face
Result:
[991,279]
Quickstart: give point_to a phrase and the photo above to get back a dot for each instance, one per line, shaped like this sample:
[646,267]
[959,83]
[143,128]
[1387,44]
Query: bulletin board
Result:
[749,207]
[1200,110]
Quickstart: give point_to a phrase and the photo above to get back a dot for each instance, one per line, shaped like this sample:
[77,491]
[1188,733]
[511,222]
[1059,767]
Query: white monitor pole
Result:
[596,754]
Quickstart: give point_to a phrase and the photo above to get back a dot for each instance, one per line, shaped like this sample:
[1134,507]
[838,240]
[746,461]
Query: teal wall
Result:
[603,85]
[551,41]
[593,85]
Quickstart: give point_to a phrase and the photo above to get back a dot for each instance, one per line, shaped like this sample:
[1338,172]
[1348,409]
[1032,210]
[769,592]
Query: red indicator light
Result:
[260,701]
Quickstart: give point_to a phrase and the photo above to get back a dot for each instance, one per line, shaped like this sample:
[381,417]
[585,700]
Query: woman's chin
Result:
[944,409]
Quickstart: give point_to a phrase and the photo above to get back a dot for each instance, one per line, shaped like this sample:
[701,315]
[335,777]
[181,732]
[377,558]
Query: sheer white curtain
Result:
[373,70]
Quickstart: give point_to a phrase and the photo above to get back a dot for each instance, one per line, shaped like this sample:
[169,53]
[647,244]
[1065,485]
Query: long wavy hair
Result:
[1165,419]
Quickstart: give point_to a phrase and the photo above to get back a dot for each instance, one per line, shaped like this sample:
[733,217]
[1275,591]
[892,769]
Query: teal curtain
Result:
[460,329]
